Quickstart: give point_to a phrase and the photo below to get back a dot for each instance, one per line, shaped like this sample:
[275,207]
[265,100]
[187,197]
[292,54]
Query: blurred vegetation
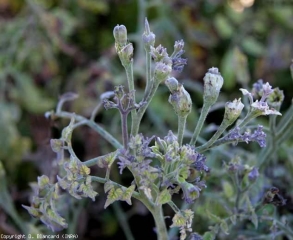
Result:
[49,47]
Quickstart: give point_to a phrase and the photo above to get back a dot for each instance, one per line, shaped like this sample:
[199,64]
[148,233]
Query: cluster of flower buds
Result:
[180,166]
[183,220]
[77,180]
[261,107]
[124,102]
[257,135]
[123,48]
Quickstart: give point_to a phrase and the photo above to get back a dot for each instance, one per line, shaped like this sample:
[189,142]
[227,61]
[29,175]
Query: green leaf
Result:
[208,236]
[164,197]
[127,194]
[233,219]
[108,186]
[183,174]
[228,189]
[84,170]
[178,220]
[43,181]
[227,69]
[213,217]
[56,145]
[252,46]
[113,195]
[224,227]
[67,132]
[223,26]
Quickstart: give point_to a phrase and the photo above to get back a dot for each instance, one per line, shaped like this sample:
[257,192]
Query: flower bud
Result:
[172,84]
[170,138]
[213,82]
[120,35]
[148,37]
[162,71]
[190,192]
[181,101]
[233,111]
[253,174]
[276,98]
[126,54]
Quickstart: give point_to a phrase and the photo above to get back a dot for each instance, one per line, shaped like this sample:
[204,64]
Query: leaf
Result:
[67,131]
[252,46]
[62,183]
[233,219]
[228,189]
[127,194]
[213,217]
[113,195]
[227,69]
[208,236]
[164,197]
[43,181]
[56,145]
[223,26]
[224,227]
[178,220]
[108,186]
[84,170]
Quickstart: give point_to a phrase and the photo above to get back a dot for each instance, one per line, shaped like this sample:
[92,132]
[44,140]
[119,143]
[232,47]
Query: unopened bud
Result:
[172,84]
[120,35]
[148,37]
[126,54]
[253,174]
[213,82]
[276,98]
[233,111]
[181,101]
[162,71]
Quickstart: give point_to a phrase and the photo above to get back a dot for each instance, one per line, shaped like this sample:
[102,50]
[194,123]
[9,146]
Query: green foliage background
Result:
[49,47]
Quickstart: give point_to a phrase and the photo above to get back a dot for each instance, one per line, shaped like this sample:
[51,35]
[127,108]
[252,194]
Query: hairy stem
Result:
[141,111]
[106,135]
[181,129]
[161,228]
[219,132]
[122,220]
[124,129]
[130,80]
[204,112]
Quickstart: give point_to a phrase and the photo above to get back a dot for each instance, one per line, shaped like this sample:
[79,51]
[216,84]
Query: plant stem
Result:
[106,135]
[124,129]
[285,120]
[122,220]
[204,112]
[160,222]
[130,80]
[141,111]
[95,111]
[148,72]
[181,128]
[219,132]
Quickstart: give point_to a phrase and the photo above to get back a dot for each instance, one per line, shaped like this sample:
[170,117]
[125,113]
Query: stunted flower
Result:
[159,53]
[257,136]
[233,110]
[178,62]
[260,107]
